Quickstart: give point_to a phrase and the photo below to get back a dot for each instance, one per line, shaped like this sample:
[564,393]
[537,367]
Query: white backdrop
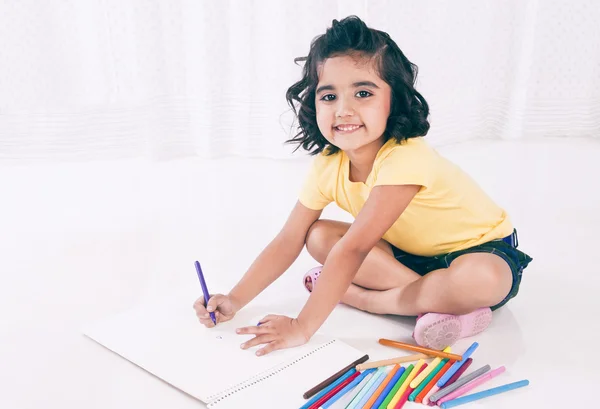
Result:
[103,79]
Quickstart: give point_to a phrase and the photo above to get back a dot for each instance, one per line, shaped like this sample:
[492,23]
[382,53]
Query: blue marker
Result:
[205,291]
[484,394]
[389,387]
[347,388]
[456,365]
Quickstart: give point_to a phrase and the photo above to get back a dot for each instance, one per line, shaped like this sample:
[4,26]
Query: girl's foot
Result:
[439,331]
[355,296]
[311,277]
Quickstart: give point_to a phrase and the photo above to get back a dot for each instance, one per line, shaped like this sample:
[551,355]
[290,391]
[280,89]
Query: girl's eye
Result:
[328,97]
[363,94]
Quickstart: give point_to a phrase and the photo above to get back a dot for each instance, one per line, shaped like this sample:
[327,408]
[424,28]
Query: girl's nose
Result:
[344,108]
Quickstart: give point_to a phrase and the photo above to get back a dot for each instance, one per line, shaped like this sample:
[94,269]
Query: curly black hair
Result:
[351,36]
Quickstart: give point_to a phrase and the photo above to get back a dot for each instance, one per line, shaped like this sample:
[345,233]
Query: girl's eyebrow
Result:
[355,85]
[365,84]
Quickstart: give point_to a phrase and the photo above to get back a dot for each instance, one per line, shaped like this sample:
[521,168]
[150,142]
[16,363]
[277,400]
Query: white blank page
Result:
[166,339]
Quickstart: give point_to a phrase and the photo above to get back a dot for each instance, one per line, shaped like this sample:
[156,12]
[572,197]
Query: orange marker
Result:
[436,378]
[381,387]
[416,348]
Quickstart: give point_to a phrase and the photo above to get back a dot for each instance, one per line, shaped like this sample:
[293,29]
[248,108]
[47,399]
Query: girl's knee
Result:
[321,237]
[497,283]
[485,283]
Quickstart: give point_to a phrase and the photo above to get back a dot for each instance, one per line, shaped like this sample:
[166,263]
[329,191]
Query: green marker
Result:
[392,393]
[426,381]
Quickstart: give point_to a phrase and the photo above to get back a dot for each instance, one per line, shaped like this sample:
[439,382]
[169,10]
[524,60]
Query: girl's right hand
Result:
[220,304]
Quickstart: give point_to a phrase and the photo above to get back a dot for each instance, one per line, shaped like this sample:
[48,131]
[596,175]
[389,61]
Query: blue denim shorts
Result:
[505,248]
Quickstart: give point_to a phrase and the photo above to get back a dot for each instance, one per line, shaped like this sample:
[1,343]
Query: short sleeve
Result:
[312,194]
[411,164]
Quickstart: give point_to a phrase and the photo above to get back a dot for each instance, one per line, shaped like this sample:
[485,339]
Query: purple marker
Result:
[205,290]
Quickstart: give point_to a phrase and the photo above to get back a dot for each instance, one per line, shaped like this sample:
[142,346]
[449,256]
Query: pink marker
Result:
[474,383]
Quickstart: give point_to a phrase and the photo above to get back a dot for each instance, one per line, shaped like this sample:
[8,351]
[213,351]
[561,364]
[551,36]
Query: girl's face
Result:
[352,103]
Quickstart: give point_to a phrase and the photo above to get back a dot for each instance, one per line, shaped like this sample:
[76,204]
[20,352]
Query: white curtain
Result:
[103,79]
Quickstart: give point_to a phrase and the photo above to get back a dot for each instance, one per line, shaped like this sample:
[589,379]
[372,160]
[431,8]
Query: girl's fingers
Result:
[268,318]
[207,322]
[215,301]
[257,330]
[261,339]
[270,347]
[199,305]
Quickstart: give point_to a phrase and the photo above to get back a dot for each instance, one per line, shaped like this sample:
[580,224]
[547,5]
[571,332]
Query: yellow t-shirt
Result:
[450,212]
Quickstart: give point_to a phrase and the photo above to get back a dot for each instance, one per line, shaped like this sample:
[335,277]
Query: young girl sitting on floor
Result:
[426,240]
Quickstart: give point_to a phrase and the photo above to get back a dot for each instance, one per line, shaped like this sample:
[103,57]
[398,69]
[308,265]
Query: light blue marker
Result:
[347,388]
[372,389]
[484,394]
[456,365]
[367,387]
[345,401]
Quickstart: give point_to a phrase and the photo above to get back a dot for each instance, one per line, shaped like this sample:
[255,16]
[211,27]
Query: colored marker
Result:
[474,383]
[404,398]
[346,389]
[457,365]
[344,401]
[427,391]
[325,391]
[334,391]
[381,387]
[450,382]
[484,394]
[413,396]
[386,391]
[205,290]
[397,386]
[459,373]
[392,361]
[451,388]
[417,381]
[417,348]
[372,389]
[413,374]
[366,388]
[334,377]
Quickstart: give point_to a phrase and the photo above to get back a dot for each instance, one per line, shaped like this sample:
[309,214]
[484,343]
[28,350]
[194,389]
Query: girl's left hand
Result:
[277,332]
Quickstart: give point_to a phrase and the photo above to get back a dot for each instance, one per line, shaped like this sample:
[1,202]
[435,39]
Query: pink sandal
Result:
[439,331]
[310,278]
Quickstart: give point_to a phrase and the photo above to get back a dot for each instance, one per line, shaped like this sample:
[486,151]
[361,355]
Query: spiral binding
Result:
[214,400]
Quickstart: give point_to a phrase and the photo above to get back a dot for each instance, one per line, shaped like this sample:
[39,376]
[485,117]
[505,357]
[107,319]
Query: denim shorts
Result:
[505,248]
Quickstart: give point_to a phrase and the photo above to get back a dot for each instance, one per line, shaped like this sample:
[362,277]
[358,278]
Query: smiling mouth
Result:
[347,128]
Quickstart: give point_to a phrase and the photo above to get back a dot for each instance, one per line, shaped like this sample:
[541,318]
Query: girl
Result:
[426,240]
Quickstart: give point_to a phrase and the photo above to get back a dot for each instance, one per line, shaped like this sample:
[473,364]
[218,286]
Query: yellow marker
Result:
[406,383]
[417,381]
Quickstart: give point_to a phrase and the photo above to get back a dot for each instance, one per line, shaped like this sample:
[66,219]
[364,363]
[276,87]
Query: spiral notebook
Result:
[165,339]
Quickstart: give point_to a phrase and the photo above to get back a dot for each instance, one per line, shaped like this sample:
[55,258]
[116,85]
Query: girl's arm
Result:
[276,258]
[383,207]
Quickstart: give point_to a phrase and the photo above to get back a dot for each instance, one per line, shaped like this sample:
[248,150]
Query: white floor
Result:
[82,241]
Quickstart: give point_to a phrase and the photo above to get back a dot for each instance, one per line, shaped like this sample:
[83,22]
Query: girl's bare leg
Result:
[472,281]
[379,271]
